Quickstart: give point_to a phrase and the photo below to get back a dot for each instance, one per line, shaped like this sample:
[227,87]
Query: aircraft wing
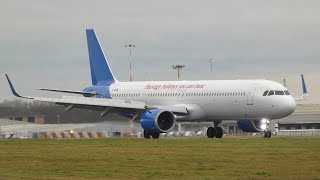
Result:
[98,103]
[300,98]
[84,101]
[86,94]
[175,109]
[95,102]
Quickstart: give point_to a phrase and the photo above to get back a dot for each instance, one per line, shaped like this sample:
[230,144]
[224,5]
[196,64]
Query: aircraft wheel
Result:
[269,134]
[219,132]
[211,132]
[146,135]
[155,135]
[264,134]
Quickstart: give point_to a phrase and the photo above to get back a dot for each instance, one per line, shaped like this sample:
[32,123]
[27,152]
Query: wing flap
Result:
[85,101]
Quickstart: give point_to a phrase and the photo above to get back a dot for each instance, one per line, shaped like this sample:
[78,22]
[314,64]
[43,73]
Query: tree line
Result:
[52,112]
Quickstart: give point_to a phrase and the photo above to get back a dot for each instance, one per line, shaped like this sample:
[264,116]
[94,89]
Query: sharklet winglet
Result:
[14,92]
[304,87]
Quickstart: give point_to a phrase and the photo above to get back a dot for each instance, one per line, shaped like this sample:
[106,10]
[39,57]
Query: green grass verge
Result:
[169,158]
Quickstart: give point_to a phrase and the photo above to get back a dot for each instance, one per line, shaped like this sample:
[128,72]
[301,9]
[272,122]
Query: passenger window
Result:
[287,92]
[271,93]
[265,93]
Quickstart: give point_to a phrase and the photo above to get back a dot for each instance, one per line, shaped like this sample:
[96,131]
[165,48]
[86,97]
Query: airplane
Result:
[159,105]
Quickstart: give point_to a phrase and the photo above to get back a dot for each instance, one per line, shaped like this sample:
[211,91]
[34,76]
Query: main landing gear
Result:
[215,131]
[154,135]
[266,134]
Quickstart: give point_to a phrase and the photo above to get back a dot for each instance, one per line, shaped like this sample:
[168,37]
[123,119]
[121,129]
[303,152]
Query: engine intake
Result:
[158,120]
[250,125]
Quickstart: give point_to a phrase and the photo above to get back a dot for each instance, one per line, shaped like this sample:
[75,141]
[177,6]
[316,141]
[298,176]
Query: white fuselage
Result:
[212,99]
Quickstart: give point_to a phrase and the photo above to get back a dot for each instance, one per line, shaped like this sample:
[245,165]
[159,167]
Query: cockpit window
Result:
[287,92]
[265,93]
[279,92]
[271,92]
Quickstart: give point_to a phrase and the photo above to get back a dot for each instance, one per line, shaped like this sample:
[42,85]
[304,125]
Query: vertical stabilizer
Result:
[304,87]
[101,73]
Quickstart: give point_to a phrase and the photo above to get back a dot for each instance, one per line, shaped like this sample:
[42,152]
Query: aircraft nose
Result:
[290,106]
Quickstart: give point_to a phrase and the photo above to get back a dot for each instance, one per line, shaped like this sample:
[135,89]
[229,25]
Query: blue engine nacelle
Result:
[250,125]
[158,120]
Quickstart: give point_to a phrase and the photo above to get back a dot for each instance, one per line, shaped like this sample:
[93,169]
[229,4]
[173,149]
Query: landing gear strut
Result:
[215,131]
[266,133]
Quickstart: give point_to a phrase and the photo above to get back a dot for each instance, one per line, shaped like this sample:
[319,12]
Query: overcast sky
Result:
[43,44]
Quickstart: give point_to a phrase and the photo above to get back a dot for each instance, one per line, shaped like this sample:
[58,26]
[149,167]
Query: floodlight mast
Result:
[130,46]
[178,67]
[211,63]
[284,82]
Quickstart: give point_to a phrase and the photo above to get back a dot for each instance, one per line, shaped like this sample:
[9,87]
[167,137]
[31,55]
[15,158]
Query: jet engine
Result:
[252,125]
[157,121]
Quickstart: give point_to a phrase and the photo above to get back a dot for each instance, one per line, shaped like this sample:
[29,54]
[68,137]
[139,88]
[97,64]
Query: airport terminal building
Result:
[304,121]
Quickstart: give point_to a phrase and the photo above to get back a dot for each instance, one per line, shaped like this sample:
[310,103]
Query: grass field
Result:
[170,158]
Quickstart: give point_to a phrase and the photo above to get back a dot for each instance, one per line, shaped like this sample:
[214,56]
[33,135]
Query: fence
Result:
[314,132]
[73,135]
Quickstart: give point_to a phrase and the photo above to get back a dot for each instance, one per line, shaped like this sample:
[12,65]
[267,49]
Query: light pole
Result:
[284,82]
[130,62]
[130,46]
[178,67]
[211,64]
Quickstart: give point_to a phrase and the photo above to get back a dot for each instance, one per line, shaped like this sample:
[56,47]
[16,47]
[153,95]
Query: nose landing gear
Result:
[266,134]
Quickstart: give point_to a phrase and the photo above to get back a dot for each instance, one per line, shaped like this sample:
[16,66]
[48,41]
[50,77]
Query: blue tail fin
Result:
[304,87]
[100,70]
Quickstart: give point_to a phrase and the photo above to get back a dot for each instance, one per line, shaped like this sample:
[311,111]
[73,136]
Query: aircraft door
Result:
[180,98]
[250,100]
